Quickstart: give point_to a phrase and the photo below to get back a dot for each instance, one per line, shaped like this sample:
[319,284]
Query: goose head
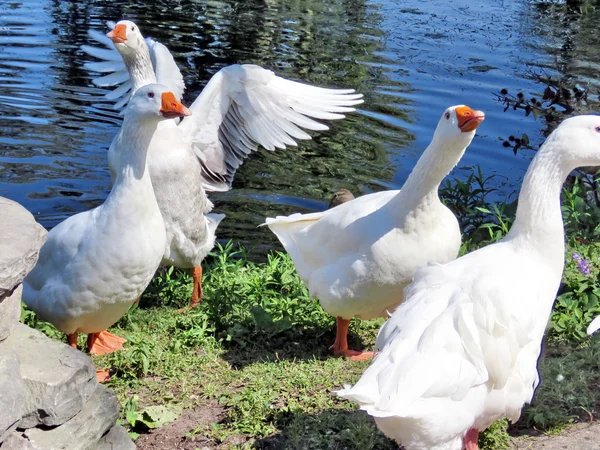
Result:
[127,37]
[577,141]
[155,101]
[457,126]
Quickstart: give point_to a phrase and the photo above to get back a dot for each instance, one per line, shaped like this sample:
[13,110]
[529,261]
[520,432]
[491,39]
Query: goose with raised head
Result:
[242,107]
[95,264]
[462,350]
[357,257]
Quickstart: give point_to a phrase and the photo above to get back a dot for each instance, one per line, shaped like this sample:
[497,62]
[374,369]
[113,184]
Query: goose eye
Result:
[132,28]
[597,129]
[447,115]
[150,94]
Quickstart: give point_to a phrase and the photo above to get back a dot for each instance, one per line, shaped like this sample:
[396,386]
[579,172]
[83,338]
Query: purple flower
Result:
[584,267]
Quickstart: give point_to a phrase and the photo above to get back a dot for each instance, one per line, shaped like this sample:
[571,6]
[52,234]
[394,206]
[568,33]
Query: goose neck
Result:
[140,68]
[538,221]
[132,145]
[432,167]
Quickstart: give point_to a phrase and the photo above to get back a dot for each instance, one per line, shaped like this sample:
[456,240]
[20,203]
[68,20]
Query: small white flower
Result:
[560,377]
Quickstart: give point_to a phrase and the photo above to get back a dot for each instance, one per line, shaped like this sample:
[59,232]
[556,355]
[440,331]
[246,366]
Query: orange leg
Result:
[72,339]
[104,342]
[197,293]
[340,346]
[471,439]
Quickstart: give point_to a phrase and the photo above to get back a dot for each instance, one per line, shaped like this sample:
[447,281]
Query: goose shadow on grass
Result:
[282,342]
[329,430]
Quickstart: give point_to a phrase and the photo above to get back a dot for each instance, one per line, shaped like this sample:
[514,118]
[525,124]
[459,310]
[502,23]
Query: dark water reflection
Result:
[411,59]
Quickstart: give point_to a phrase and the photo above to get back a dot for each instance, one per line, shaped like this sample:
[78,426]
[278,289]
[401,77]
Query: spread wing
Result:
[244,106]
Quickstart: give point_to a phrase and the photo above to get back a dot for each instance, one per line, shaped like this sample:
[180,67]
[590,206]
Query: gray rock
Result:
[57,379]
[116,439]
[16,441]
[11,392]
[21,238]
[10,312]
[83,431]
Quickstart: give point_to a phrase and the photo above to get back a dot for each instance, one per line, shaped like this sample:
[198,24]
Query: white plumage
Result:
[95,264]
[594,326]
[462,350]
[357,257]
[242,107]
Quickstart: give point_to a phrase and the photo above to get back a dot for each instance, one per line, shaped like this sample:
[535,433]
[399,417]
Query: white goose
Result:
[462,350]
[95,264]
[357,257]
[242,107]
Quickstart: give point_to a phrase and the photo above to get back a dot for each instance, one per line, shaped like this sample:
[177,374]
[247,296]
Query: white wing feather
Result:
[456,344]
[244,106]
[165,68]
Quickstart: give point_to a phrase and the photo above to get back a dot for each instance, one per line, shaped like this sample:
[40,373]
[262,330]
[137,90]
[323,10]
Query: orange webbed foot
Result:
[102,376]
[104,342]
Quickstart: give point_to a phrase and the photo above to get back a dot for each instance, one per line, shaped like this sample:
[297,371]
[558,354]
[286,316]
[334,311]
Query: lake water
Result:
[411,59]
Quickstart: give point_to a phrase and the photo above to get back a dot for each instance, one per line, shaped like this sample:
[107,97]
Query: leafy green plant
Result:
[578,301]
[495,437]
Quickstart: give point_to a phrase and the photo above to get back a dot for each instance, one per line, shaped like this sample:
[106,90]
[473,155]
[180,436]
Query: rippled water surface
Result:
[411,59]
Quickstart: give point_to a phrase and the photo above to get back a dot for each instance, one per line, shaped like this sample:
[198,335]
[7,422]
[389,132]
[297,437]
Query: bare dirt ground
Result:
[582,436]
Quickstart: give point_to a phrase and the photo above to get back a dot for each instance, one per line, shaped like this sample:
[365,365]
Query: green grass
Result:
[256,349]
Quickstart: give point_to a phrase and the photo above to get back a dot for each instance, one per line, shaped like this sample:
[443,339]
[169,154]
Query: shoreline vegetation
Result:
[249,368]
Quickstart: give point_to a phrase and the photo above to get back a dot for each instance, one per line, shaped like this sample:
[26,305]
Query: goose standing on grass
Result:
[242,107]
[462,350]
[357,257]
[95,264]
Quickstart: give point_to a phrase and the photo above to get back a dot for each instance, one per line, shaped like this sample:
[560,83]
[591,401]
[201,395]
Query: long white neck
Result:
[132,175]
[538,223]
[139,67]
[421,187]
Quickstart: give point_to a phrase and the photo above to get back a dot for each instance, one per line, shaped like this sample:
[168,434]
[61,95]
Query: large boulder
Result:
[21,238]
[83,431]
[10,312]
[116,438]
[16,441]
[11,392]
[57,379]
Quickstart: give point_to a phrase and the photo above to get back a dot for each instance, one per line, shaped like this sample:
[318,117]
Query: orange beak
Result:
[468,119]
[118,34]
[171,108]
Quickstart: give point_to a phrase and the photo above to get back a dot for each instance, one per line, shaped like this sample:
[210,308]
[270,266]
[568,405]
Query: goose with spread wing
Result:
[241,108]
[95,264]
[357,257]
[462,350]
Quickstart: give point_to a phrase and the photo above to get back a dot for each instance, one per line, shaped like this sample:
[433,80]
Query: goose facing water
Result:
[462,350]
[357,257]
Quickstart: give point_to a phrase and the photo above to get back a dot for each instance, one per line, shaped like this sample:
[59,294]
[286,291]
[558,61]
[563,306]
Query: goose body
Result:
[357,257]
[95,264]
[242,107]
[462,350]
